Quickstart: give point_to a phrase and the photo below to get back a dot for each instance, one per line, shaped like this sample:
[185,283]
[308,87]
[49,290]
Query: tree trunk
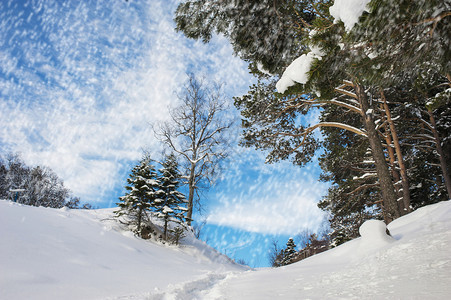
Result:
[391,156]
[390,204]
[191,187]
[402,167]
[165,228]
[441,155]
[140,211]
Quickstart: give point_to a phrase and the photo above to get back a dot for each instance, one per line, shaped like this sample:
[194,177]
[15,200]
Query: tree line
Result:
[382,87]
[35,186]
[310,244]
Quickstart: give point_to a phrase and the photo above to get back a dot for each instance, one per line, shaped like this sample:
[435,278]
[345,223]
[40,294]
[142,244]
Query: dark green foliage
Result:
[403,35]
[271,124]
[152,192]
[75,203]
[348,212]
[142,192]
[171,204]
[314,245]
[261,31]
[410,102]
[277,256]
[345,161]
[289,253]
[353,199]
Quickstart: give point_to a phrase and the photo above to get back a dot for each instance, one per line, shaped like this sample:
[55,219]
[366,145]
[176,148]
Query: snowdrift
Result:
[74,254]
[77,254]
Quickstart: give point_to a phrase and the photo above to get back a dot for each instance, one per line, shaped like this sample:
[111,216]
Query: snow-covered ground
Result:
[77,254]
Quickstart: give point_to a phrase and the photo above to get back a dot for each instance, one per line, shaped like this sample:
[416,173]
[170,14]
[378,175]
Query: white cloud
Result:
[80,84]
[271,199]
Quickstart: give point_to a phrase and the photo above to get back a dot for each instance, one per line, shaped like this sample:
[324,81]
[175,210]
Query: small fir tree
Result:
[142,192]
[289,252]
[171,204]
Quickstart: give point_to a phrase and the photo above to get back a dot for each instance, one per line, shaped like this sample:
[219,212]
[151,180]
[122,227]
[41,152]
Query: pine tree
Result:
[289,252]
[353,198]
[404,36]
[143,191]
[265,33]
[171,204]
[347,164]
[352,71]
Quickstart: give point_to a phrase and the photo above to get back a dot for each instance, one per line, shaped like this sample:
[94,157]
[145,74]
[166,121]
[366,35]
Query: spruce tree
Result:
[142,192]
[289,252]
[171,204]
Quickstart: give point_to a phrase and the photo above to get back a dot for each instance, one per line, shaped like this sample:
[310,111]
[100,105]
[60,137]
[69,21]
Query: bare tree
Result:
[198,229]
[275,254]
[196,132]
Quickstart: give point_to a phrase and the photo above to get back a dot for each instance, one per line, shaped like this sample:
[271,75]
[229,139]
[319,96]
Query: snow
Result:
[297,71]
[348,11]
[366,175]
[373,236]
[167,210]
[82,254]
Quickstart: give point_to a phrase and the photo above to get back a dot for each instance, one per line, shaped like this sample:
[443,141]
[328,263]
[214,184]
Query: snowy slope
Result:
[71,254]
[416,264]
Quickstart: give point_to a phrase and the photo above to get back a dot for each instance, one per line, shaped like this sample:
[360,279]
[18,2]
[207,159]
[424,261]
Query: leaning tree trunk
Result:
[441,155]
[390,204]
[402,168]
[392,159]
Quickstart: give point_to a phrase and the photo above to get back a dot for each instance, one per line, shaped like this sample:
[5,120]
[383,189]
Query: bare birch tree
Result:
[196,132]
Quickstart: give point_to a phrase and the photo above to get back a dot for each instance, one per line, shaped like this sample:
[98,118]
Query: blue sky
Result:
[80,84]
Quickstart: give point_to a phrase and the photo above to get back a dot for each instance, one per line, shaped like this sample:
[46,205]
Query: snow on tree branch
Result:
[348,11]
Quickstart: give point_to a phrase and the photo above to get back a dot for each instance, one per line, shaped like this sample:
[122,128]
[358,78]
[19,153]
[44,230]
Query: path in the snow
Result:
[203,288]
